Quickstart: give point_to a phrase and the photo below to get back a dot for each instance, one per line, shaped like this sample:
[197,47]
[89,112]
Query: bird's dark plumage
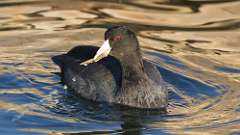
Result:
[122,77]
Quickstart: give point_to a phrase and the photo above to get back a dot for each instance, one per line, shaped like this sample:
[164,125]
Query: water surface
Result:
[194,43]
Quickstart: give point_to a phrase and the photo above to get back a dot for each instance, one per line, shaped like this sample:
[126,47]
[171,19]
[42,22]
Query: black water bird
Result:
[116,72]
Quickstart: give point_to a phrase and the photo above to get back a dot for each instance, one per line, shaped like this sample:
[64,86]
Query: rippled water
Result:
[195,44]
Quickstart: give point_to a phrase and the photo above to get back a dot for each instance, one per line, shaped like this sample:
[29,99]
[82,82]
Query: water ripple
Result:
[194,44]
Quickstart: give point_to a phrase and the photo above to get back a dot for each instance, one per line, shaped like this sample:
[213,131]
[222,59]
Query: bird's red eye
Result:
[117,38]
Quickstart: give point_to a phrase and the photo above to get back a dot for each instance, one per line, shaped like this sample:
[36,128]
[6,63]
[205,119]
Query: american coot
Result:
[117,73]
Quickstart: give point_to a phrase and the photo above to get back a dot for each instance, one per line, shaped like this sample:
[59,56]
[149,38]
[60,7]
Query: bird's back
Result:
[97,81]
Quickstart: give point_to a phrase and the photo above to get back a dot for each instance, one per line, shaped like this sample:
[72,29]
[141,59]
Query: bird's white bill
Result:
[103,51]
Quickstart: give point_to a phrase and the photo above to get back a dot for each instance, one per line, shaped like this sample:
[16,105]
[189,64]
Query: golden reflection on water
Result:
[204,37]
[207,14]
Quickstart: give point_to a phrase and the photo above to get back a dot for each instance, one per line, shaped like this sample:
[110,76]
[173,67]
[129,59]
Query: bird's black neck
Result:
[132,66]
